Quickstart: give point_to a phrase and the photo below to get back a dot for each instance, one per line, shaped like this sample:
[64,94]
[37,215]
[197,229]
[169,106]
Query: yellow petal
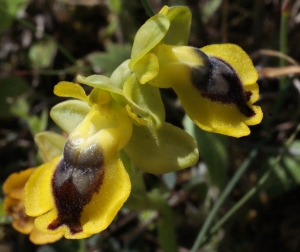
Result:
[164,10]
[146,68]
[256,119]
[38,194]
[50,144]
[15,183]
[254,89]
[136,120]
[43,221]
[148,36]
[69,114]
[236,58]
[180,20]
[39,238]
[70,89]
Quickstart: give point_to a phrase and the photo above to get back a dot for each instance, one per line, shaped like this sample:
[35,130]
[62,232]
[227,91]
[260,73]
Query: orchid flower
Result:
[216,84]
[80,192]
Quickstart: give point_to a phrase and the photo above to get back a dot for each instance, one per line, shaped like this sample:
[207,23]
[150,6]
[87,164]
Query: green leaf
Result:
[108,61]
[145,101]
[169,150]
[50,144]
[278,182]
[294,148]
[180,20]
[285,175]
[148,36]
[213,151]
[42,54]
[291,165]
[67,115]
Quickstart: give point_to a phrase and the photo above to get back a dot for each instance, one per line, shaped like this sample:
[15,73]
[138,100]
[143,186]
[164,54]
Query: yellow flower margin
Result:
[13,187]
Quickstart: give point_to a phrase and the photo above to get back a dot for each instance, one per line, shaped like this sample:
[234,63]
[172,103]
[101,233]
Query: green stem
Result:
[165,222]
[140,199]
[239,173]
[222,198]
[148,8]
[258,185]
[82,245]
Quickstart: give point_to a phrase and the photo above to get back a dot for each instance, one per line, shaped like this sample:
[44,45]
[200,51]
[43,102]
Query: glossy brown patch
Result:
[77,177]
[217,81]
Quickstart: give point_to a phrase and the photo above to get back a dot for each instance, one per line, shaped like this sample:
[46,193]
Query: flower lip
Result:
[218,81]
[77,177]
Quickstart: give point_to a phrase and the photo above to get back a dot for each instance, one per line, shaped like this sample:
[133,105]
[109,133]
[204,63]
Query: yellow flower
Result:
[13,187]
[78,194]
[215,84]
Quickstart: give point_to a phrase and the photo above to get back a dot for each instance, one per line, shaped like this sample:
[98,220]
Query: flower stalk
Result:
[148,8]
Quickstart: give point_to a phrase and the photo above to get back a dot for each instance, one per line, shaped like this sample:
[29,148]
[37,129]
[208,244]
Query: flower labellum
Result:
[80,192]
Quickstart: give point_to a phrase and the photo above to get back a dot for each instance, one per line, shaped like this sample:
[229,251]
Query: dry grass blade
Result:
[278,54]
[274,72]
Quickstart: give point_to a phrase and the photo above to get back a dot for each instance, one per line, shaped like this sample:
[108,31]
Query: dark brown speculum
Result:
[217,81]
[77,177]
